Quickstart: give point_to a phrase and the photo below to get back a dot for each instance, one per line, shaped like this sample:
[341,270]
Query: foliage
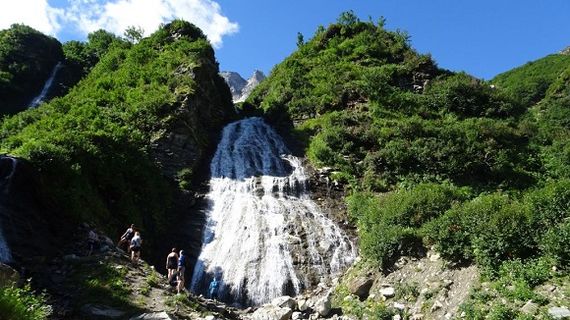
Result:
[92,147]
[389,225]
[23,304]
[27,58]
[530,82]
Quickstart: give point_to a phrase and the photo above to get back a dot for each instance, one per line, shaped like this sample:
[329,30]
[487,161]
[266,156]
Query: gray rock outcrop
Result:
[239,87]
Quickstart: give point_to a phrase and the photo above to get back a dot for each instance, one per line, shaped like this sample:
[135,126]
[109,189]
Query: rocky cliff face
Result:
[239,87]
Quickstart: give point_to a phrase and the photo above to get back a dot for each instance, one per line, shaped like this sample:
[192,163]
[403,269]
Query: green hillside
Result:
[431,157]
[92,147]
[531,81]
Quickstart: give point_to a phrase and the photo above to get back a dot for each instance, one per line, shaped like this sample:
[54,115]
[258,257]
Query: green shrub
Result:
[388,225]
[555,244]
[23,304]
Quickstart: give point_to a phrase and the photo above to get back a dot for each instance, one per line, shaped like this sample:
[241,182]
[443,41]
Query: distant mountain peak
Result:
[566,51]
[239,87]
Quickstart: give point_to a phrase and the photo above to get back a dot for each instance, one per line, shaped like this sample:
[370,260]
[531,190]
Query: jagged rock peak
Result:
[239,87]
[566,51]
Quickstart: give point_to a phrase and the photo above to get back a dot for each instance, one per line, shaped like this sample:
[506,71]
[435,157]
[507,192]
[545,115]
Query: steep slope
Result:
[432,159]
[122,147]
[531,81]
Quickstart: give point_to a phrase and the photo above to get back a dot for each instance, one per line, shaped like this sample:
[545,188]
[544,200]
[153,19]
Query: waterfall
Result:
[40,98]
[264,237]
[6,174]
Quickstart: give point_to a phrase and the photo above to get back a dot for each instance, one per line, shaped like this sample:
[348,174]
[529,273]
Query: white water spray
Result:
[40,98]
[264,237]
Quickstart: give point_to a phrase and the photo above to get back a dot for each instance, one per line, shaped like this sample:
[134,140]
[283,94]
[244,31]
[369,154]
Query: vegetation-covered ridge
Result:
[478,170]
[93,147]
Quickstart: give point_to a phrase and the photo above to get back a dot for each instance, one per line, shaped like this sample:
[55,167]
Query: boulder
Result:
[388,292]
[153,316]
[303,304]
[436,306]
[529,308]
[285,302]
[323,306]
[271,312]
[360,286]
[101,311]
[559,312]
[296,315]
[8,276]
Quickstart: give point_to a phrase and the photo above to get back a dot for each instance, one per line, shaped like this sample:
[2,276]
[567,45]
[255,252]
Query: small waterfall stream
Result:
[264,237]
[40,98]
[7,168]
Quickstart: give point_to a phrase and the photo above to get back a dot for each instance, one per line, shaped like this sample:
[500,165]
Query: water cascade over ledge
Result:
[47,85]
[264,237]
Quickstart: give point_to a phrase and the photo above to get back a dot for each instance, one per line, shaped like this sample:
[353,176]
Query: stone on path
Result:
[559,313]
[153,316]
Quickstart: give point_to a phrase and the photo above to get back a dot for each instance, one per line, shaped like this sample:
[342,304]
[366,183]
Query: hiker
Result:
[135,247]
[92,241]
[172,264]
[213,289]
[126,237]
[181,270]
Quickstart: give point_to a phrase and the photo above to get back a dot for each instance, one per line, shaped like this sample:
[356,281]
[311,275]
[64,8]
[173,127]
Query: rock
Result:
[399,306]
[210,317]
[8,276]
[433,257]
[271,312]
[296,315]
[71,258]
[388,292]
[529,307]
[360,286]
[96,310]
[156,316]
[285,301]
[447,283]
[323,306]
[436,306]
[397,317]
[559,312]
[417,316]
[302,304]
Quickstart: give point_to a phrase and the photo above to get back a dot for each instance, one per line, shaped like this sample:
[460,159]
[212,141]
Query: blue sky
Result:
[481,37]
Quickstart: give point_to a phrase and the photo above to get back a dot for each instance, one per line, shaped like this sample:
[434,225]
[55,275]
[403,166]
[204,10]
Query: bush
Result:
[389,224]
[23,304]
[555,244]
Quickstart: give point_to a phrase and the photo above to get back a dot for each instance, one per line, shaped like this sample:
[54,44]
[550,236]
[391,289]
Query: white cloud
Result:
[37,14]
[117,15]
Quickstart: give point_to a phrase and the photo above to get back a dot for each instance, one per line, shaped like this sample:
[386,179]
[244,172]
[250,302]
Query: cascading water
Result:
[6,173]
[264,237]
[40,98]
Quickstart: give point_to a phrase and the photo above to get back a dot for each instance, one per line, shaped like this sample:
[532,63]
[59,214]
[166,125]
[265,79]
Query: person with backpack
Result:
[172,264]
[181,270]
[136,243]
[126,237]
[213,289]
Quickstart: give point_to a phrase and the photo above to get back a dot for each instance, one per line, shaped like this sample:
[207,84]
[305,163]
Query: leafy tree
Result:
[134,34]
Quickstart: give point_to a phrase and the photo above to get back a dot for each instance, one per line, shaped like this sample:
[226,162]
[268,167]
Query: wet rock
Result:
[360,286]
[153,316]
[529,307]
[388,292]
[101,311]
[285,302]
[71,258]
[559,312]
[8,276]
[271,312]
